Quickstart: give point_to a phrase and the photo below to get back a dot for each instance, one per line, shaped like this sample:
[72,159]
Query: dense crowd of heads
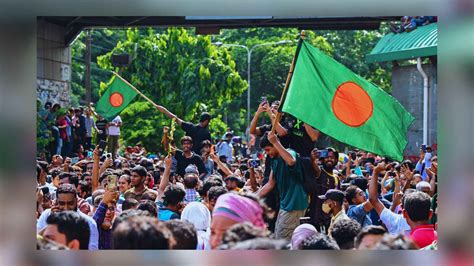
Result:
[276,191]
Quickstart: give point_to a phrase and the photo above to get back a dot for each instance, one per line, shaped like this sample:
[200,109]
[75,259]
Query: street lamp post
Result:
[249,58]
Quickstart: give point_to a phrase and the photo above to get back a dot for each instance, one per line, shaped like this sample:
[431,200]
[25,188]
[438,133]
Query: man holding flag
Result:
[328,96]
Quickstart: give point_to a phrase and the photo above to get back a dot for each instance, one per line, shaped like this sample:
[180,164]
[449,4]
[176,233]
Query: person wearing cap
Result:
[332,205]
[198,132]
[232,183]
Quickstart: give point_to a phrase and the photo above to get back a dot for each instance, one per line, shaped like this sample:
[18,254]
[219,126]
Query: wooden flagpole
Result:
[287,84]
[139,92]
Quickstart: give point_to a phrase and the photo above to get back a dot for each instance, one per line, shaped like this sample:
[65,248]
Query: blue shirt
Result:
[165,214]
[358,213]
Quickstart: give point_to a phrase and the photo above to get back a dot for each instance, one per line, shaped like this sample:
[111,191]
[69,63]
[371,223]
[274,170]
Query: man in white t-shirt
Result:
[114,134]
[395,223]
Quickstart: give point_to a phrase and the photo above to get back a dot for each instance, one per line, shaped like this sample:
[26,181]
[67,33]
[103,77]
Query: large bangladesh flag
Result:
[117,96]
[328,96]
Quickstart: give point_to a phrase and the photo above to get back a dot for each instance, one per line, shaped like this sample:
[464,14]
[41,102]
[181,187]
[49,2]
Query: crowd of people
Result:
[278,193]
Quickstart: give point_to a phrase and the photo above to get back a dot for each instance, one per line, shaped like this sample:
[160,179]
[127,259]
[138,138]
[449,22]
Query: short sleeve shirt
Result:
[358,213]
[183,162]
[395,223]
[289,181]
[113,130]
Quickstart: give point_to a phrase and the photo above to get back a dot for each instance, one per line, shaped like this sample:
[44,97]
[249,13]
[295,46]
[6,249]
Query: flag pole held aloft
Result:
[288,79]
[331,98]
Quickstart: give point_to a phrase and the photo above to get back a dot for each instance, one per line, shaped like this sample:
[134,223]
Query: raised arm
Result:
[285,155]
[373,195]
[169,114]
[432,171]
[221,165]
[267,187]
[314,162]
[166,175]
[313,133]
[397,194]
[95,168]
[253,124]
[278,127]
[252,179]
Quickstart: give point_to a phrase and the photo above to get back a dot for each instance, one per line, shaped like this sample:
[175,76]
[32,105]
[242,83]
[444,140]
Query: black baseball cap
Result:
[333,194]
[205,116]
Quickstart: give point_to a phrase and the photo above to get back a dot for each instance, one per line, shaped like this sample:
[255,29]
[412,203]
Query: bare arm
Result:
[267,187]
[314,162]
[221,165]
[373,195]
[166,175]
[313,133]
[396,193]
[367,206]
[169,114]
[253,125]
[285,155]
[253,181]
[95,169]
[280,130]
[432,171]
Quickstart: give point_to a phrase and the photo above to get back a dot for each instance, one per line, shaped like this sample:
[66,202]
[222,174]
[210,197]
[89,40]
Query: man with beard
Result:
[325,181]
[66,200]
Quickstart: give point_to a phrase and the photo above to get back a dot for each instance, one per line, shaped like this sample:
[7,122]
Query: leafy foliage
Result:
[187,74]
[183,72]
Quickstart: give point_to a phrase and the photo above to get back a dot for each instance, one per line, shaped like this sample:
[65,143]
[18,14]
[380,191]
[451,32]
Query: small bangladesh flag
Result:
[117,96]
[328,96]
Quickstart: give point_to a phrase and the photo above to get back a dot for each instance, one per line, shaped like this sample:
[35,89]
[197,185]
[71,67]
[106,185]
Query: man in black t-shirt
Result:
[325,181]
[187,157]
[198,132]
[301,136]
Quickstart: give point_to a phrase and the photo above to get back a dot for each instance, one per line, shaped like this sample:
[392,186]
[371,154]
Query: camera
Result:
[323,153]
[255,163]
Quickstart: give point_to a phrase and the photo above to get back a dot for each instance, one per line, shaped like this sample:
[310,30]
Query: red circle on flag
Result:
[352,105]
[116,99]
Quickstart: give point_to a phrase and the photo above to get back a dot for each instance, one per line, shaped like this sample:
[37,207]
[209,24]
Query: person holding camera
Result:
[328,159]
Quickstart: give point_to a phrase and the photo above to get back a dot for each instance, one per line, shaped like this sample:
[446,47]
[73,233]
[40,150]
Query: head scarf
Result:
[198,214]
[239,209]
[300,234]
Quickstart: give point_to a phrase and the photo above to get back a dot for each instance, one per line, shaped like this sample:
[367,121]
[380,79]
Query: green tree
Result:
[269,66]
[181,71]
[351,48]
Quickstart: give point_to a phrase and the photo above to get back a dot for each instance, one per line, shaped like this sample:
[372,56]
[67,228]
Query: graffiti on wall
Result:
[53,91]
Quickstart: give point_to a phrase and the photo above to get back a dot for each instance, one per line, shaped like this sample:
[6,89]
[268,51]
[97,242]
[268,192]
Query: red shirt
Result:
[424,235]
[62,131]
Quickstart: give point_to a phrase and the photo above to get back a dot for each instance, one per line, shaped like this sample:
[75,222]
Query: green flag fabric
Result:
[328,96]
[117,96]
